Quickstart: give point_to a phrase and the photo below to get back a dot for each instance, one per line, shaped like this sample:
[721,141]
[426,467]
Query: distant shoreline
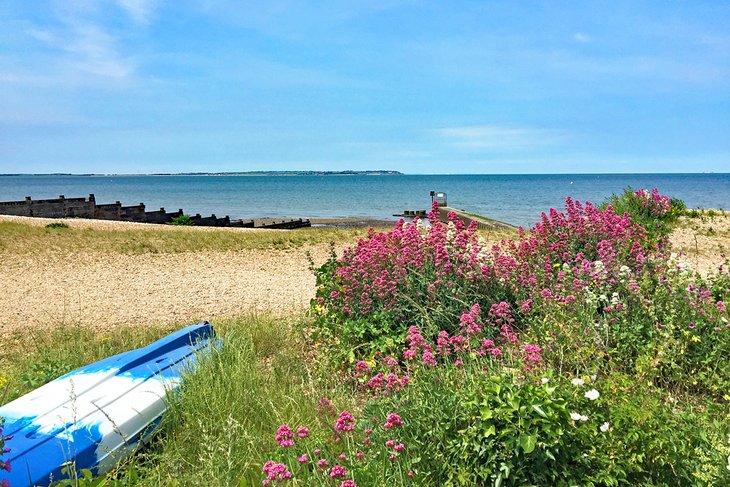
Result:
[241,173]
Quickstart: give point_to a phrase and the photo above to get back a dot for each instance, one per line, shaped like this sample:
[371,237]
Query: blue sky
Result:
[136,86]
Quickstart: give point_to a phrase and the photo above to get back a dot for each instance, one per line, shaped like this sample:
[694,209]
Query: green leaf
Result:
[528,442]
[539,410]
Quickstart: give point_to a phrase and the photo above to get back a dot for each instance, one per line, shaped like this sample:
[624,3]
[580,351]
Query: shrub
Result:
[181,220]
[57,225]
[582,353]
[656,212]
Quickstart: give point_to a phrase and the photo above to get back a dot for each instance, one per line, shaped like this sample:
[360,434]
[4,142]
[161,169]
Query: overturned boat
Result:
[93,417]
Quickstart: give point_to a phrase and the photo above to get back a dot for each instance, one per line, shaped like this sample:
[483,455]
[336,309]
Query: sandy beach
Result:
[111,289]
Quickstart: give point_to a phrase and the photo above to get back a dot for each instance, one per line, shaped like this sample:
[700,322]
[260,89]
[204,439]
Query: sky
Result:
[424,87]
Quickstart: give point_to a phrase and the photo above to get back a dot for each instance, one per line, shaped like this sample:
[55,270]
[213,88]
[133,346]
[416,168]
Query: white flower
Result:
[592,394]
[544,380]
[578,381]
[604,427]
[575,416]
[584,418]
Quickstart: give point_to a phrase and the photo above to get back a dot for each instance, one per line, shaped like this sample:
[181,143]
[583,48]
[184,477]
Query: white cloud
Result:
[580,37]
[499,136]
[140,10]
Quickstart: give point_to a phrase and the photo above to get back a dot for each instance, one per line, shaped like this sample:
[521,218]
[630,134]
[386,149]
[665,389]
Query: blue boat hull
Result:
[96,415]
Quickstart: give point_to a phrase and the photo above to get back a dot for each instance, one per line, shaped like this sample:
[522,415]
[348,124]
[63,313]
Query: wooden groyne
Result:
[63,207]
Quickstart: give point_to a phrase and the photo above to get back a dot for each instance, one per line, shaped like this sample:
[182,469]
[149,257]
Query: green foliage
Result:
[658,214]
[182,220]
[44,371]
[57,225]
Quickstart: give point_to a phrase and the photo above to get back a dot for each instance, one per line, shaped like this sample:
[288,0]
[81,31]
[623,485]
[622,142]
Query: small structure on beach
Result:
[438,197]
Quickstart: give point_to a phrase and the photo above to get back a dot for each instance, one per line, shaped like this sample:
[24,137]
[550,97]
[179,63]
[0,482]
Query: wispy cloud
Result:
[141,11]
[83,48]
[499,137]
[581,37]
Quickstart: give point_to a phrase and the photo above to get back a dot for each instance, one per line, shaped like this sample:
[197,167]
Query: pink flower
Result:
[346,422]
[348,483]
[399,447]
[410,474]
[392,421]
[359,454]
[302,432]
[338,471]
[303,459]
[342,456]
[390,443]
[721,306]
[427,358]
[362,366]
[322,463]
[285,436]
[317,451]
[276,471]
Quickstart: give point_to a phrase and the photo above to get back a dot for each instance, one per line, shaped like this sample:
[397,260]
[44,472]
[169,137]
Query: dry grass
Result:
[24,236]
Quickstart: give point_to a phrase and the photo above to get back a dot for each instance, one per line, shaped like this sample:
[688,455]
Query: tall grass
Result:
[218,429]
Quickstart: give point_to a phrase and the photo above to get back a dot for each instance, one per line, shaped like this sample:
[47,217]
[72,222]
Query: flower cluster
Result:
[655,203]
[348,453]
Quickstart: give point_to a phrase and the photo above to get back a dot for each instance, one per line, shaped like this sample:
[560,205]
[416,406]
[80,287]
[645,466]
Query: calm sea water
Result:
[517,199]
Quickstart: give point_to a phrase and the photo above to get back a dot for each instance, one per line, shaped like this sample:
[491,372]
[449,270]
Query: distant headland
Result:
[234,173]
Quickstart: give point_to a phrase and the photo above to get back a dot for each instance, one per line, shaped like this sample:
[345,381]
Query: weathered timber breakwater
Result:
[63,207]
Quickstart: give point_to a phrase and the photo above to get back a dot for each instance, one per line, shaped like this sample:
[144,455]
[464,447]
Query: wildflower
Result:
[338,471]
[390,443]
[303,459]
[592,394]
[578,381]
[317,451]
[346,422]
[276,471]
[342,456]
[399,447]
[427,358]
[302,432]
[575,416]
[721,306]
[322,463]
[359,454]
[362,366]
[390,362]
[392,457]
[285,436]
[691,326]
[544,380]
[6,482]
[348,483]
[392,421]
[604,427]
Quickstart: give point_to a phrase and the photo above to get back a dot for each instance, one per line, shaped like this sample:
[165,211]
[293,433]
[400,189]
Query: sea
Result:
[515,199]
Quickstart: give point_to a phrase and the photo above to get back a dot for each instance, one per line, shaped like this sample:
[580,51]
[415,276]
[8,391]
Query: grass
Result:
[219,428]
[19,238]
[33,357]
